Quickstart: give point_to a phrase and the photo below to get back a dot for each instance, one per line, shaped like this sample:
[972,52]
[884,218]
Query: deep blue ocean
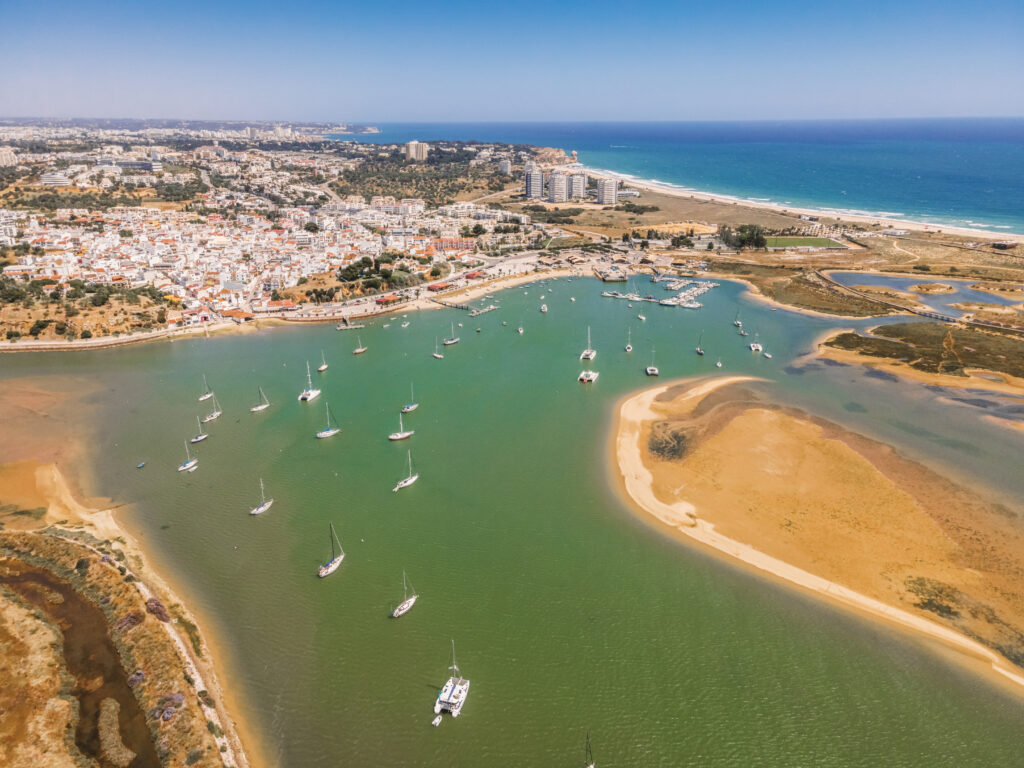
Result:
[960,172]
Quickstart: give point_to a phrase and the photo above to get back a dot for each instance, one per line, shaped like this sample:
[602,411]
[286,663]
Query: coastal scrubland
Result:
[939,348]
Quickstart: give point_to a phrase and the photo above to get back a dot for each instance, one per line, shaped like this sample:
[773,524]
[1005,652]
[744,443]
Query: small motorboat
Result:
[436,721]
[140,465]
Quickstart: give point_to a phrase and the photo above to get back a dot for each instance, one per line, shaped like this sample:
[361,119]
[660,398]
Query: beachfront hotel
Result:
[607,191]
[558,187]
[534,184]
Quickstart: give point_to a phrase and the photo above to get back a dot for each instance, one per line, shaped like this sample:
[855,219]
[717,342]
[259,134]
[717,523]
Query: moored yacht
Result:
[589,353]
[409,479]
[454,693]
[207,392]
[588,377]
[652,369]
[215,413]
[700,349]
[200,436]
[437,354]
[189,464]
[360,349]
[263,404]
[264,504]
[543,308]
[453,339]
[402,433]
[629,339]
[323,362]
[336,557]
[412,405]
[408,601]
[331,429]
[309,393]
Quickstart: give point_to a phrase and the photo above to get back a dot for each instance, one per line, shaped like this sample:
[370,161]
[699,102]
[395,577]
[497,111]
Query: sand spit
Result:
[828,510]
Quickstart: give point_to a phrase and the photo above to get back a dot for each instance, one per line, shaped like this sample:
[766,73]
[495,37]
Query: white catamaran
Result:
[264,504]
[215,413]
[309,393]
[589,353]
[454,693]
[328,431]
[201,435]
[189,464]
[408,601]
[323,362]
[207,392]
[409,480]
[263,404]
[402,433]
[336,557]
[412,405]
[652,369]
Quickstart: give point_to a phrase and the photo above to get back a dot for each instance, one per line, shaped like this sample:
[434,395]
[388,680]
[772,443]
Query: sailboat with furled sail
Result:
[409,479]
[264,504]
[215,413]
[408,601]
[207,392]
[402,433]
[189,464]
[336,556]
[330,430]
[412,405]
[309,393]
[263,404]
[200,435]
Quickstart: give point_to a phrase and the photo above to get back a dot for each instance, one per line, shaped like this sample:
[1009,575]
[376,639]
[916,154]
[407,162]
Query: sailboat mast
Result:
[333,535]
[263,495]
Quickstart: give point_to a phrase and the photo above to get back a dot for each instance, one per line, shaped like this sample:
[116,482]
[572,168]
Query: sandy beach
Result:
[796,502]
[42,466]
[894,223]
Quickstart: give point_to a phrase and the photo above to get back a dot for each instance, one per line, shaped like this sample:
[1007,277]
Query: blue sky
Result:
[527,60]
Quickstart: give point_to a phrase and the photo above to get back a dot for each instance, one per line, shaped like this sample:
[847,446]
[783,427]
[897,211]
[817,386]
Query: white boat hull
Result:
[406,483]
[404,607]
[359,350]
[327,433]
[260,407]
[330,566]
[309,395]
[437,356]
[198,438]
[188,466]
[322,368]
[401,435]
[410,407]
[588,354]
[262,507]
[211,416]
[449,342]
[207,396]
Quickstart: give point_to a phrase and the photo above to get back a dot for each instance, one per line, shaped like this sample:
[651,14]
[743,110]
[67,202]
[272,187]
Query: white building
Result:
[578,186]
[54,179]
[7,157]
[534,184]
[558,187]
[607,191]
[416,150]
[505,167]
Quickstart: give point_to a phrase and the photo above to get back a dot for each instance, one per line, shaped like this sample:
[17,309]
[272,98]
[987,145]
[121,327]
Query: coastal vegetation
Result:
[45,309]
[934,347]
[443,178]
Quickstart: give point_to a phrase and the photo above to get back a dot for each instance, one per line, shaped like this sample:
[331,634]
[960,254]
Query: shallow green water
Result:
[568,614]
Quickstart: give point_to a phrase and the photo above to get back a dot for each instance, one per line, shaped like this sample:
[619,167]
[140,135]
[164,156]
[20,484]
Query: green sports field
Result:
[792,242]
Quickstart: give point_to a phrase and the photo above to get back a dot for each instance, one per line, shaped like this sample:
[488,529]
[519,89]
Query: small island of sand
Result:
[932,288]
[829,510]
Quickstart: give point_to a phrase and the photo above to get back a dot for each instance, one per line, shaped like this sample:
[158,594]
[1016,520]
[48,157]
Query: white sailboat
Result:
[453,339]
[454,693]
[700,348]
[215,413]
[263,404]
[323,362]
[642,317]
[336,557]
[412,405]
[264,504]
[588,756]
[402,433]
[201,435]
[408,601]
[629,339]
[719,363]
[437,353]
[207,392]
[309,394]
[589,353]
[360,349]
[543,309]
[736,321]
[412,478]
[768,355]
[328,431]
[189,464]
